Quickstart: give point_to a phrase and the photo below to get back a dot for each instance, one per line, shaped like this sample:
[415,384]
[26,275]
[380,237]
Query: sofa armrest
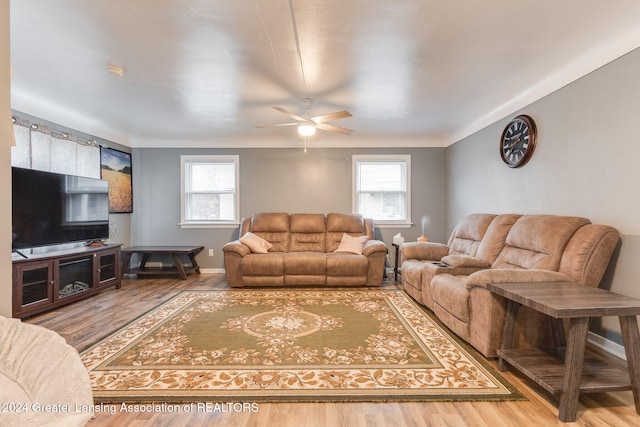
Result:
[376,253]
[423,251]
[507,275]
[465,261]
[233,254]
[237,247]
[373,246]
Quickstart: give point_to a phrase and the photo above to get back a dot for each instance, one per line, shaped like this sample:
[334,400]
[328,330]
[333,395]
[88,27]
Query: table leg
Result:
[125,264]
[194,263]
[631,339]
[179,266]
[508,332]
[395,266]
[573,363]
[143,261]
[559,337]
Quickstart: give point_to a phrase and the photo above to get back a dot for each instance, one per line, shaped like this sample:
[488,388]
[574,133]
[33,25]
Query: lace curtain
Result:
[48,150]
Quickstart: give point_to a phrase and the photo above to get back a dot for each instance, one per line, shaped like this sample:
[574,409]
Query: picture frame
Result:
[116,168]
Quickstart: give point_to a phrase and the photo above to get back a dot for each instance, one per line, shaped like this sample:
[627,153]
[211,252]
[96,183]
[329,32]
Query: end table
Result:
[567,371]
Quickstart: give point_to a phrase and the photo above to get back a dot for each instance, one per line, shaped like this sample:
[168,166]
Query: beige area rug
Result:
[293,345]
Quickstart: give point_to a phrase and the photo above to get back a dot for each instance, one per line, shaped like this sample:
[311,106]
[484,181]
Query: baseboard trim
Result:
[159,264]
[607,345]
[212,270]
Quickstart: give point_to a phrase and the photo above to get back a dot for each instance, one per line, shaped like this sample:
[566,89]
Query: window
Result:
[209,190]
[381,188]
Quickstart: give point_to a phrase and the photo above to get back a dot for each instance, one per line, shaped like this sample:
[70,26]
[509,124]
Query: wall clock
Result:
[518,141]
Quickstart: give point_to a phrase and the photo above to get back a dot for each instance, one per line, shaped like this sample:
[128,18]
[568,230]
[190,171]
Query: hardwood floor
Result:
[85,322]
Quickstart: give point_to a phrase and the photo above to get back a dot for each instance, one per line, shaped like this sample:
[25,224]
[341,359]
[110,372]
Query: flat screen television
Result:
[51,208]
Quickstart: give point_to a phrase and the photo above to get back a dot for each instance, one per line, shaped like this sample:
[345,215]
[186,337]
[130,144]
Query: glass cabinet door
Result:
[35,284]
[108,270]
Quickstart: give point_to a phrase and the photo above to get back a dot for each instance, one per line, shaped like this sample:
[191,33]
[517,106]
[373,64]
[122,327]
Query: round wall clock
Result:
[518,141]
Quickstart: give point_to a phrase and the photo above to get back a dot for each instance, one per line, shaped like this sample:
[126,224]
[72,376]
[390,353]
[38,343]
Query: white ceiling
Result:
[206,72]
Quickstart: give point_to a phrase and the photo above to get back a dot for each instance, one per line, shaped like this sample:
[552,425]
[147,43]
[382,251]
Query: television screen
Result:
[51,208]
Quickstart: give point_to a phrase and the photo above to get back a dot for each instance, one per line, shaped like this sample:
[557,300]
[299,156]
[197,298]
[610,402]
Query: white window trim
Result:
[354,189]
[184,159]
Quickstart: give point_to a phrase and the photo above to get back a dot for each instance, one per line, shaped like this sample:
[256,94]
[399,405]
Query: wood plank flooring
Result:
[85,322]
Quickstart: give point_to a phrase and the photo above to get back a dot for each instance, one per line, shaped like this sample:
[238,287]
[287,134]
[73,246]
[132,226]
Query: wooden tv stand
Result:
[49,280]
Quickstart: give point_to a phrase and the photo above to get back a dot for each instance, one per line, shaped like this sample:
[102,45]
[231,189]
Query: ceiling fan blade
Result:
[277,125]
[332,128]
[331,116]
[289,113]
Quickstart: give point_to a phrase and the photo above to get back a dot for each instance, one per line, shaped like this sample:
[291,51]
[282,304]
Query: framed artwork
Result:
[115,167]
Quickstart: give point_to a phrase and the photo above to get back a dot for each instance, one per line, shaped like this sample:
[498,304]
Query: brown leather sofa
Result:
[302,251]
[452,279]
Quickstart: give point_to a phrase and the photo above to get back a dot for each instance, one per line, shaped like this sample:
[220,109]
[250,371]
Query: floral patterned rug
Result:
[293,345]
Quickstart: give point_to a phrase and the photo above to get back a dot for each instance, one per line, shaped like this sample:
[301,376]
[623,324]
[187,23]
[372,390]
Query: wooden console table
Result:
[174,251]
[567,371]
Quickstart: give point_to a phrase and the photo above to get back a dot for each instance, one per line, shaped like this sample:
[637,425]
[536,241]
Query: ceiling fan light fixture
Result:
[306,129]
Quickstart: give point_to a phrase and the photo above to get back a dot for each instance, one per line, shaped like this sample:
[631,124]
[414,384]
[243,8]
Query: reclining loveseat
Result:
[452,279]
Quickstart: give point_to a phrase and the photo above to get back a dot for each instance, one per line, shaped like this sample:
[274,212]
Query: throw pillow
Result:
[256,243]
[352,244]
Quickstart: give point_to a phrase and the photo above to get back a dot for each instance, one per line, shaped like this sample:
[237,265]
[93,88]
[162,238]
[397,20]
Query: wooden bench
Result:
[175,252]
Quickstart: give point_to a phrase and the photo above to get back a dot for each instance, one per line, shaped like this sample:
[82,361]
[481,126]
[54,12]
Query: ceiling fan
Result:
[307,125]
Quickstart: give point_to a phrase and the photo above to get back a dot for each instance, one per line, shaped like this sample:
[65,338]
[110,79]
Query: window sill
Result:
[392,225]
[209,224]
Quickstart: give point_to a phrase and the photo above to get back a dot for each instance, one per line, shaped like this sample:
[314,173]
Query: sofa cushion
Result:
[308,232]
[350,244]
[468,234]
[494,238]
[429,270]
[269,264]
[338,224]
[451,294]
[256,243]
[587,255]
[305,263]
[537,241]
[273,227]
[344,264]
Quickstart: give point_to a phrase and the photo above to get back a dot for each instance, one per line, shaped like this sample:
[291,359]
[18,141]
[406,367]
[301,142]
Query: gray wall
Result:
[587,163]
[276,180]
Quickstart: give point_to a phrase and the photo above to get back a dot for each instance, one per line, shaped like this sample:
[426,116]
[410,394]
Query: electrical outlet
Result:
[210,252]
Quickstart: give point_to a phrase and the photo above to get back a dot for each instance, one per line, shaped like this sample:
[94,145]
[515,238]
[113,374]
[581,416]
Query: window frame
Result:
[382,158]
[185,160]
